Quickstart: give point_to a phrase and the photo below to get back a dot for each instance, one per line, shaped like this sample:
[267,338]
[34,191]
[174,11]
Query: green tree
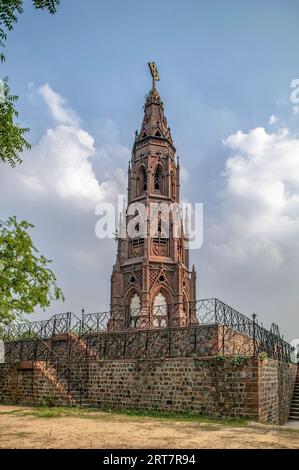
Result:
[26,282]
[12,140]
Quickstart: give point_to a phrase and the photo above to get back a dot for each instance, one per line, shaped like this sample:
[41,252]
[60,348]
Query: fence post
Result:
[105,344]
[35,350]
[82,322]
[146,343]
[54,327]
[254,334]
[21,351]
[68,322]
[125,344]
[215,311]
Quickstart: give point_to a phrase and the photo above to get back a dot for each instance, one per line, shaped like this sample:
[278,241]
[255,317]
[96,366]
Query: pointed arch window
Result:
[158,179]
[142,181]
[160,238]
[134,310]
[160,311]
[172,186]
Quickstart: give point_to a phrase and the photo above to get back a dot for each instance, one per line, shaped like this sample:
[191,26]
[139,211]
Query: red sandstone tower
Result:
[151,285]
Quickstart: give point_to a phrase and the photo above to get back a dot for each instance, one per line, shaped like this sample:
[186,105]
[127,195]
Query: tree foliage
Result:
[12,141]
[9,11]
[26,282]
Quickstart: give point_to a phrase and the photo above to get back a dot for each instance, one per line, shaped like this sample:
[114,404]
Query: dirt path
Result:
[20,429]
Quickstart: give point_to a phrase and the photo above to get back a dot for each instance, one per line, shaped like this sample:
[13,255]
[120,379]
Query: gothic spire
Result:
[154,122]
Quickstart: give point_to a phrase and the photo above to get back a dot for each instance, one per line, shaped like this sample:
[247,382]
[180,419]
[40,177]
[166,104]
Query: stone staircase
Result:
[55,350]
[62,359]
[69,359]
[294,411]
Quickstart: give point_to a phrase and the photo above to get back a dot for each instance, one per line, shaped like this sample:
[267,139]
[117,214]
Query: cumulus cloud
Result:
[62,165]
[260,219]
[59,165]
[58,106]
[57,187]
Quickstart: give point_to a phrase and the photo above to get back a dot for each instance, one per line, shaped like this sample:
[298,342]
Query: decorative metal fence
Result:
[204,327]
[58,324]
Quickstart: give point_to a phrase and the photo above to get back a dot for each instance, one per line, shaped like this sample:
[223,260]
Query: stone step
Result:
[294,418]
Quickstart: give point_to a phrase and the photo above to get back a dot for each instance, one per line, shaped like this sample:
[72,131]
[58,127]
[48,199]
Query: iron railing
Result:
[57,324]
[38,350]
[207,326]
[28,342]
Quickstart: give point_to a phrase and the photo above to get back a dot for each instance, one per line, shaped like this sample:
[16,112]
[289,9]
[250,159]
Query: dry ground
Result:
[25,427]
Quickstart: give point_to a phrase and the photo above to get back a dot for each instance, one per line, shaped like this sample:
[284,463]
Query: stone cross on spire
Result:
[154,73]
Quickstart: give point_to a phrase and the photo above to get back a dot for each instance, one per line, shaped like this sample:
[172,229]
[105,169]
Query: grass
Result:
[47,412]
[177,416]
[99,413]
[22,435]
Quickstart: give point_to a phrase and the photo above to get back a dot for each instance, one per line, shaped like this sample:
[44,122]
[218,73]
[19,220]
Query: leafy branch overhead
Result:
[26,281]
[9,11]
[12,140]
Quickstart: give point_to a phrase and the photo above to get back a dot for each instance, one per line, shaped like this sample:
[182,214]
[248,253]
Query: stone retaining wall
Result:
[214,386]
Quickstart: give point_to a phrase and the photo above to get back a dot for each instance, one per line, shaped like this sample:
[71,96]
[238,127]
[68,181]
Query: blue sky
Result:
[225,67]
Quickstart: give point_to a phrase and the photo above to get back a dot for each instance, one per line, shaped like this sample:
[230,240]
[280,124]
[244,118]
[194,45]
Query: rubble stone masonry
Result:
[213,386]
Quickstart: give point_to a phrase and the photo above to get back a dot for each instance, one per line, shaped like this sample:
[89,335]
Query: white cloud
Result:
[60,165]
[57,187]
[260,221]
[273,119]
[58,106]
